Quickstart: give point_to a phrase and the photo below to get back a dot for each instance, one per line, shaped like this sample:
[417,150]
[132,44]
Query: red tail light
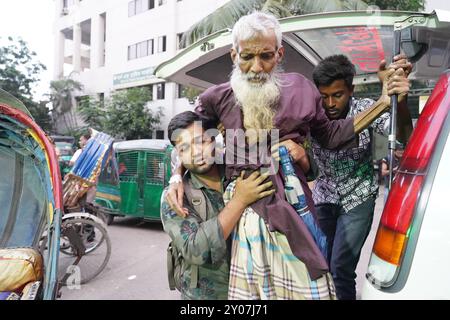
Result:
[421,144]
[393,232]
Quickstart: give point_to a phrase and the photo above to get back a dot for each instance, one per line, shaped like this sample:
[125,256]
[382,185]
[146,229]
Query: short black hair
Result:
[184,120]
[332,68]
[86,134]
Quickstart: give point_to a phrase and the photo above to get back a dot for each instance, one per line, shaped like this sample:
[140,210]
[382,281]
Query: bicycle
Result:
[84,240]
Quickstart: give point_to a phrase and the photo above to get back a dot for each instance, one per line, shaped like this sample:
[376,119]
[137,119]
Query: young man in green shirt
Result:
[201,237]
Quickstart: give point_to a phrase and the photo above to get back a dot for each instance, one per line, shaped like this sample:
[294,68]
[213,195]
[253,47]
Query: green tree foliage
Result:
[19,72]
[127,115]
[227,15]
[93,113]
[190,93]
[123,115]
[62,96]
[402,5]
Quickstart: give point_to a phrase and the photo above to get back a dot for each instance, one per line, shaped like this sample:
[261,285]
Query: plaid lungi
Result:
[264,267]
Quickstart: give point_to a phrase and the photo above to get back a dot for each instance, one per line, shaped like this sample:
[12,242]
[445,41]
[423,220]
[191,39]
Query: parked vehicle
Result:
[66,146]
[412,250]
[143,172]
[31,202]
[85,243]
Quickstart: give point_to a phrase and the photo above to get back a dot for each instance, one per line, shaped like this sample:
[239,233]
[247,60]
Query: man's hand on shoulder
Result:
[174,198]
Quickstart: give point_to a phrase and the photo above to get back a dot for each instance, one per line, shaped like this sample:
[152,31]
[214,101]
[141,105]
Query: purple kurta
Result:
[298,114]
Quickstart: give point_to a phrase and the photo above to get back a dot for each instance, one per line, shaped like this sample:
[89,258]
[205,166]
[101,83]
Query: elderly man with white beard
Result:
[273,254]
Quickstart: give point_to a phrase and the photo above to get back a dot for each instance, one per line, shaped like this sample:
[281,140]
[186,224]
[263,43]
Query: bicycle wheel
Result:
[87,249]
[86,233]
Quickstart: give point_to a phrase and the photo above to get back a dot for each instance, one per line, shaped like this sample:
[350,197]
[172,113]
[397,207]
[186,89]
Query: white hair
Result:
[256,23]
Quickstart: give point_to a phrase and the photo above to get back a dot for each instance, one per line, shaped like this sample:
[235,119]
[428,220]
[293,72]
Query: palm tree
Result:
[62,98]
[227,15]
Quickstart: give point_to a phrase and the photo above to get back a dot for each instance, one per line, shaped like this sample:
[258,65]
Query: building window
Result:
[138,6]
[180,45]
[142,49]
[180,91]
[65,6]
[151,46]
[132,52]
[131,8]
[161,2]
[145,5]
[160,91]
[159,134]
[162,44]
[67,3]
[101,99]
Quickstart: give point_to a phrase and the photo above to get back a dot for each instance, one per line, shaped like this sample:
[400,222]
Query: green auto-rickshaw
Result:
[134,187]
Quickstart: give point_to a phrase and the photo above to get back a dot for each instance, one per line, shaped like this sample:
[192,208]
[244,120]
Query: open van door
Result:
[365,37]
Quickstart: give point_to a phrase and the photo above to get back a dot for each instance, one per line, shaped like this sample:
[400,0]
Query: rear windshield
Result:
[66,149]
[365,46]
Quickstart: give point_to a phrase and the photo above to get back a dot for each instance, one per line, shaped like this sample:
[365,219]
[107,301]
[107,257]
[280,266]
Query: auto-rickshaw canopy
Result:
[143,144]
[30,199]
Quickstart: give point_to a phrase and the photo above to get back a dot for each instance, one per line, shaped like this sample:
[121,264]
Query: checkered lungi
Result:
[264,267]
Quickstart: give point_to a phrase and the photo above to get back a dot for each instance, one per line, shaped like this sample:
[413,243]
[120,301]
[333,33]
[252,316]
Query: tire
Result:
[97,249]
[109,218]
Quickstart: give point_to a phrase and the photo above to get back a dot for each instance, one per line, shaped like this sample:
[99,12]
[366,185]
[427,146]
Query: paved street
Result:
[137,269]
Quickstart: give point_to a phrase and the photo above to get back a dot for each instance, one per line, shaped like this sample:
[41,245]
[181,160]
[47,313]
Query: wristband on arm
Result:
[176,178]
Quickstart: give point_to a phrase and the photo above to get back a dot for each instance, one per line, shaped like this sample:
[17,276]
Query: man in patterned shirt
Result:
[346,188]
[202,239]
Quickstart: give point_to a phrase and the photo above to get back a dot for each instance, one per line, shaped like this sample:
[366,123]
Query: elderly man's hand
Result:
[296,151]
[174,198]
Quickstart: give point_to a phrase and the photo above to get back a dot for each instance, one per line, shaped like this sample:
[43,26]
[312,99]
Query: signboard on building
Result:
[133,76]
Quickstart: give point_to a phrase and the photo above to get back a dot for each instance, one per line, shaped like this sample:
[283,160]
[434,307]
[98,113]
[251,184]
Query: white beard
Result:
[257,100]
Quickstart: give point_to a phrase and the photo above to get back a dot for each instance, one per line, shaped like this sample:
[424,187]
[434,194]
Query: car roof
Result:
[142,144]
[365,37]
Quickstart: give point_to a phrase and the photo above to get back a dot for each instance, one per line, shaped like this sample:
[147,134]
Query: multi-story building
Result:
[109,45]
